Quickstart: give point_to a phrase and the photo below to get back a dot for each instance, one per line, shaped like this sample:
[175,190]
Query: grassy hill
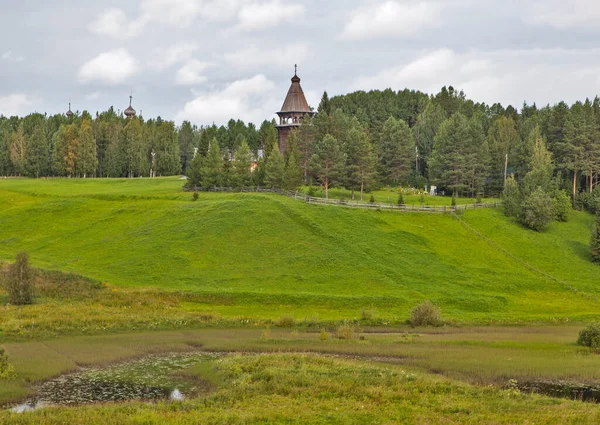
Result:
[260,255]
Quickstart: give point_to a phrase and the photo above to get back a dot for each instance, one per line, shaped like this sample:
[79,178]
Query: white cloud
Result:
[564,14]
[255,16]
[113,67]
[112,22]
[253,57]
[506,76]
[191,73]
[392,18]
[11,57]
[16,104]
[166,57]
[248,100]
[93,96]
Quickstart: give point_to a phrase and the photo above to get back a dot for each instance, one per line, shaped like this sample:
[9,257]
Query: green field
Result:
[261,255]
[133,267]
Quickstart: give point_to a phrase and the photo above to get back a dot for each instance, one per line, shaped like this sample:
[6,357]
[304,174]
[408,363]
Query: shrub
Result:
[590,336]
[426,314]
[312,191]
[511,197]
[595,240]
[372,199]
[324,336]
[195,196]
[6,369]
[286,322]
[562,206]
[19,281]
[537,211]
[453,200]
[401,199]
[347,331]
[367,314]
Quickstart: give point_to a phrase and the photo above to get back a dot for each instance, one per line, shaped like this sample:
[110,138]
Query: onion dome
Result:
[130,112]
[69,113]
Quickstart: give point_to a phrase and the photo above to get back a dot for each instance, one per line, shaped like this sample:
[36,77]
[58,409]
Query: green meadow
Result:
[129,268]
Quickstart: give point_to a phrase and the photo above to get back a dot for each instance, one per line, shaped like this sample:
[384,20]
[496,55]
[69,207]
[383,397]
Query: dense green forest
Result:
[358,141]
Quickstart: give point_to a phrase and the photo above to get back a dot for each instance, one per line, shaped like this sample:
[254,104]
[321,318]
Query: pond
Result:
[154,377]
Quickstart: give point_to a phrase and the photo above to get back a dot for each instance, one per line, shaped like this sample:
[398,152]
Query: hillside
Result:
[258,254]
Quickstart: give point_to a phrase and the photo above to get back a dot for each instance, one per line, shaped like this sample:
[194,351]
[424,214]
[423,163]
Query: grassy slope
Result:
[269,249]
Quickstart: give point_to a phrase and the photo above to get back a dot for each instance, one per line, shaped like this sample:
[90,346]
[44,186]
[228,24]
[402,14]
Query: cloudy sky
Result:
[209,60]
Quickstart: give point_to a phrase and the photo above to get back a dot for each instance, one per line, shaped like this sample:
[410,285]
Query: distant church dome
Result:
[69,113]
[130,112]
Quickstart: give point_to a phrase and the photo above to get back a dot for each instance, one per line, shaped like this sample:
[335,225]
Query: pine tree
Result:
[274,167]
[595,240]
[243,165]
[576,138]
[212,170]
[425,130]
[449,159]
[135,154]
[503,140]
[37,156]
[397,153]
[17,150]
[87,159]
[359,160]
[328,162]
[166,149]
[185,138]
[194,171]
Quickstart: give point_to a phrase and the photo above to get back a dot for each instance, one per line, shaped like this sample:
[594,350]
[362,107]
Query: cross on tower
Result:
[296,69]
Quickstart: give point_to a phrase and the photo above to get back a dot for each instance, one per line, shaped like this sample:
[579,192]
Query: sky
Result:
[211,60]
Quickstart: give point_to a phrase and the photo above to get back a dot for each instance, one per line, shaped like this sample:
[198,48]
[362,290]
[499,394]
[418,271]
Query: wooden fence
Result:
[350,204]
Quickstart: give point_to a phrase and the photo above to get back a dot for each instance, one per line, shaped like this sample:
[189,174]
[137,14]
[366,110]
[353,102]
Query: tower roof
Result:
[69,113]
[295,100]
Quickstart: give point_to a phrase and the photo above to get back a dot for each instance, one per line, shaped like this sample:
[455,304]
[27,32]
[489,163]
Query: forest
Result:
[359,141]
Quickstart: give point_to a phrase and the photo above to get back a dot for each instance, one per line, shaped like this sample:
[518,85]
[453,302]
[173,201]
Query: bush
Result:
[372,199]
[562,206]
[19,281]
[590,336]
[195,196]
[537,211]
[347,331]
[426,314]
[6,370]
[367,314]
[453,200]
[286,322]
[511,197]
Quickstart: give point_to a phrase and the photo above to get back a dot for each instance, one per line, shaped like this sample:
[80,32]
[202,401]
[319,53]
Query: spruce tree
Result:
[243,165]
[595,240]
[212,170]
[293,173]
[194,172]
[274,167]
[19,282]
[185,139]
[17,150]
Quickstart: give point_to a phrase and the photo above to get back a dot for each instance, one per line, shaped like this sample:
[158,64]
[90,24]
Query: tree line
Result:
[360,140]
